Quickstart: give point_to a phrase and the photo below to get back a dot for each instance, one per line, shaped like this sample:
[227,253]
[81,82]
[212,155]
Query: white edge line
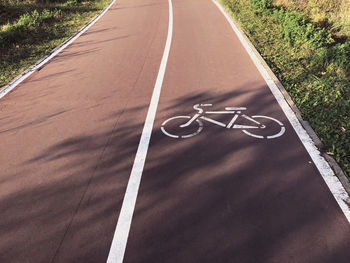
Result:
[40,64]
[332,181]
[118,246]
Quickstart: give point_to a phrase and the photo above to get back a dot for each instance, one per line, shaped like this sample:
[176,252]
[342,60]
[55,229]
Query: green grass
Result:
[312,64]
[333,13]
[29,30]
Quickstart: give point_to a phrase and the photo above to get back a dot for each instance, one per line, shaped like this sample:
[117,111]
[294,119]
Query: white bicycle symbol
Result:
[176,128]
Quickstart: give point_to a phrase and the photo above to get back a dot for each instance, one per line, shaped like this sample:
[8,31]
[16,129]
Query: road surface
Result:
[70,133]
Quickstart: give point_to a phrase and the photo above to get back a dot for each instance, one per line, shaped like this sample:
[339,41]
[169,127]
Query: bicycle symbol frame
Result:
[197,118]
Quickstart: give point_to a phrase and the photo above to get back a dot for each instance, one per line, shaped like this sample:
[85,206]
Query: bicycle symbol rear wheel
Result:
[273,128]
[172,127]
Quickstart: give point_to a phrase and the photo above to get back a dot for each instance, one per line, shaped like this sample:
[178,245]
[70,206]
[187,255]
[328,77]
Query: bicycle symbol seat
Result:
[178,126]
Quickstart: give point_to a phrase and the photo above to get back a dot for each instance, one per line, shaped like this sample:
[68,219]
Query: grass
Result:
[30,29]
[312,63]
[335,13]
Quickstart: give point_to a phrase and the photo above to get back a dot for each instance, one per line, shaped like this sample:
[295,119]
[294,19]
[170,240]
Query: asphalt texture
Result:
[69,134]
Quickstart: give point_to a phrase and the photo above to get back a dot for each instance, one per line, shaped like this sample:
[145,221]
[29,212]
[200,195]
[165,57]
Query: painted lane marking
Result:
[120,238]
[332,181]
[214,121]
[231,125]
[199,123]
[39,65]
[219,112]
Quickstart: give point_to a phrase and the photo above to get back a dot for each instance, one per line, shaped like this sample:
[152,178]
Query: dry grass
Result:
[334,12]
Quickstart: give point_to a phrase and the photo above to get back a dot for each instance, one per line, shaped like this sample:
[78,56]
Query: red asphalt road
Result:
[70,132]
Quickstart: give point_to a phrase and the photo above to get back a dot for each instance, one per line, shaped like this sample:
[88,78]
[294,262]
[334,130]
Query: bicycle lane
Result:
[223,196]
[69,134]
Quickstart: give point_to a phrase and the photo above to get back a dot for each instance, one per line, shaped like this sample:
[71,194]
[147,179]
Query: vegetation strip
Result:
[29,30]
[312,63]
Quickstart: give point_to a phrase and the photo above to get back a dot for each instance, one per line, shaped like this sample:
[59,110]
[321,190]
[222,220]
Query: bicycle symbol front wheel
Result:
[270,128]
[172,127]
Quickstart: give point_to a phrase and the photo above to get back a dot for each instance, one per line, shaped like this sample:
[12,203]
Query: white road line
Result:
[117,250]
[31,70]
[332,181]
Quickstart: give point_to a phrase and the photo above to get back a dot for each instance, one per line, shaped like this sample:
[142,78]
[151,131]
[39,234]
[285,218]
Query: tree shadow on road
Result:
[220,196]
